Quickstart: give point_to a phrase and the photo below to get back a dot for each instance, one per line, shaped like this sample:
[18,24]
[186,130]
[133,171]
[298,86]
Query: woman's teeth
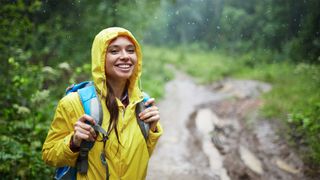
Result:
[123,65]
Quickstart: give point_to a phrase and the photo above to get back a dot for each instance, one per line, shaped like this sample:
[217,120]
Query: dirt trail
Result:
[212,132]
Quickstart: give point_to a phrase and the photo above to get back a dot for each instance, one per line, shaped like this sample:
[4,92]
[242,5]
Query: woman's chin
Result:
[123,76]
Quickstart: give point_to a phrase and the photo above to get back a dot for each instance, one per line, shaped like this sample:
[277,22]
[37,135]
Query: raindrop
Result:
[177,12]
[218,27]
[156,17]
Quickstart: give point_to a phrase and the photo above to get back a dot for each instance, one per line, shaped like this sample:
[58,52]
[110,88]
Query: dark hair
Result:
[112,106]
[111,101]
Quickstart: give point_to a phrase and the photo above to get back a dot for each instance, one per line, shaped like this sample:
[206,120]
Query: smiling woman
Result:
[124,154]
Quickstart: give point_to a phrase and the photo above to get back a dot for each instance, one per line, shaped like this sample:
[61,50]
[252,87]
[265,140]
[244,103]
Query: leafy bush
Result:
[24,122]
[304,118]
[33,94]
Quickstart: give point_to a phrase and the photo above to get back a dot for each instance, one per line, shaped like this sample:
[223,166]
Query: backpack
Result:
[92,106]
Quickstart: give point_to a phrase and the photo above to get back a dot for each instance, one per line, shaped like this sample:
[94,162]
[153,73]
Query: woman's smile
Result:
[124,67]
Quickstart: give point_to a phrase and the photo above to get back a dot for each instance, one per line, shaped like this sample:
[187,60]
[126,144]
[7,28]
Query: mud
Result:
[178,156]
[241,127]
[215,132]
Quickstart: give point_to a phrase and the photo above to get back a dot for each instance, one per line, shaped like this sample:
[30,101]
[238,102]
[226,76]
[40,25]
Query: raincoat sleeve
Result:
[56,150]
[153,138]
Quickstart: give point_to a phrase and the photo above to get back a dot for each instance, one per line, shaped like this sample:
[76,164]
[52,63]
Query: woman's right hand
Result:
[84,131]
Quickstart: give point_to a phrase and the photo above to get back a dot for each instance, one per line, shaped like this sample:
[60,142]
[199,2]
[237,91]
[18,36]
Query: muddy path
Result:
[215,132]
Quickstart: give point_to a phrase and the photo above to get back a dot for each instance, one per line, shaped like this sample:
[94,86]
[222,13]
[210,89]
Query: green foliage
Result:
[234,25]
[193,59]
[23,121]
[155,72]
[307,44]
[304,119]
[45,46]
[241,26]
[306,127]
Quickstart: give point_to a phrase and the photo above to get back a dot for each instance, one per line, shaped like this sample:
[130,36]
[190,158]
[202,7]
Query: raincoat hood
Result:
[98,58]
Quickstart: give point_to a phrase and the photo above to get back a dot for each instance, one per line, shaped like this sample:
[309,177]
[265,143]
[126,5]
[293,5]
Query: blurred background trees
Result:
[45,46]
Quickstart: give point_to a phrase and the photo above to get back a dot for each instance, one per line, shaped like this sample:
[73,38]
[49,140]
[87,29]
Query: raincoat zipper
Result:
[121,164]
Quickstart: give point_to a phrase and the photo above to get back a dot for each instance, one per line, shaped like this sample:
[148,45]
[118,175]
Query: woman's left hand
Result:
[151,114]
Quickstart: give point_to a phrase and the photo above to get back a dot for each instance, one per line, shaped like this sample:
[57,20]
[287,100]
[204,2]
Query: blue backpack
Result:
[92,106]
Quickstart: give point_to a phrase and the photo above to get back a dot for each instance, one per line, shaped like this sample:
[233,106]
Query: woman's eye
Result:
[131,51]
[113,51]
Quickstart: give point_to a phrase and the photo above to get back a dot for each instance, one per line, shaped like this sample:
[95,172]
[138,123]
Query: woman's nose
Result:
[124,55]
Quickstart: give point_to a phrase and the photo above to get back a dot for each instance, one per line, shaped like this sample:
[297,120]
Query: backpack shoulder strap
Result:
[91,103]
[92,106]
[144,127]
[76,87]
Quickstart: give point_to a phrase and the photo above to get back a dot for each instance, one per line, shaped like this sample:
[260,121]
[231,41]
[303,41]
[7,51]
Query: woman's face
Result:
[121,59]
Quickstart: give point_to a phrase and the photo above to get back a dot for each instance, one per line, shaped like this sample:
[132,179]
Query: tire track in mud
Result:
[212,132]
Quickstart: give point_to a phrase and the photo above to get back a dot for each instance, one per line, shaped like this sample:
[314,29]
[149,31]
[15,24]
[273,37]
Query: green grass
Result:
[155,73]
[203,65]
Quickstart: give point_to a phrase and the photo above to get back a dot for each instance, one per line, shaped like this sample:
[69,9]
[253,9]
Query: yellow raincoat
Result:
[126,161]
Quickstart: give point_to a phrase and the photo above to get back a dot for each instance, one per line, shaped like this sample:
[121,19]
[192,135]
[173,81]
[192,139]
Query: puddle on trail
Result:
[229,149]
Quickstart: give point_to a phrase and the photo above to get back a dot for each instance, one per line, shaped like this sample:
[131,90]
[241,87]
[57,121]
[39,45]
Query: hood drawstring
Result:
[101,92]
[140,86]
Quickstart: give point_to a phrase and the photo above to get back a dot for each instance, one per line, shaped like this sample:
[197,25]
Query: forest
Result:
[45,46]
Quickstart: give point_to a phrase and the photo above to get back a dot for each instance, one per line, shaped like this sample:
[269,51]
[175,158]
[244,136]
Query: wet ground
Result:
[215,132]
